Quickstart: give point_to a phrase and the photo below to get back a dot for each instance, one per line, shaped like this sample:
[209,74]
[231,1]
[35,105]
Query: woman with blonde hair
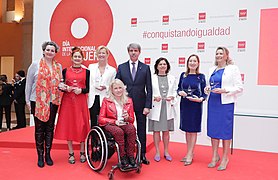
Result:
[101,74]
[117,117]
[225,86]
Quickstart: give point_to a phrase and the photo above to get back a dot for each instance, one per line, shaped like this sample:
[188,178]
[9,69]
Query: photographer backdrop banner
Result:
[172,29]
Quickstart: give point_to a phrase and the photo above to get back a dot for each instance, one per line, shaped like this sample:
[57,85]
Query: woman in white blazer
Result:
[161,117]
[225,85]
[101,75]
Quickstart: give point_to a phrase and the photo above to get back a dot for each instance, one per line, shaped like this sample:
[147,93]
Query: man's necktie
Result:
[133,72]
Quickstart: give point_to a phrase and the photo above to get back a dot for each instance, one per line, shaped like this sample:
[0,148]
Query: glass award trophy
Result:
[74,83]
[212,83]
[189,91]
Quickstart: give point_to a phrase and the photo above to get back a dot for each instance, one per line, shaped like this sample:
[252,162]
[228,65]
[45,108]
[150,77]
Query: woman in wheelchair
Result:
[117,117]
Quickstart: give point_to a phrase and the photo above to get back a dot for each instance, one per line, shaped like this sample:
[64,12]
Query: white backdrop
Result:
[175,29]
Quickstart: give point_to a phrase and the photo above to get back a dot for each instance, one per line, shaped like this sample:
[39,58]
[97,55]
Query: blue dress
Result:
[191,112]
[220,116]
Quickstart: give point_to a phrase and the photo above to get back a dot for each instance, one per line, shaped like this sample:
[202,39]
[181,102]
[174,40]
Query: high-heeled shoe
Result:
[212,164]
[187,162]
[82,157]
[183,159]
[71,158]
[222,167]
[168,157]
[157,158]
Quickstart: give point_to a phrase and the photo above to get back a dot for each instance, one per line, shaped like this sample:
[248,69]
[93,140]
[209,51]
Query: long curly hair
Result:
[124,97]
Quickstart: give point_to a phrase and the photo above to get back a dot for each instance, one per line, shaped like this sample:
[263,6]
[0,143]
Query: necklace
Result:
[76,69]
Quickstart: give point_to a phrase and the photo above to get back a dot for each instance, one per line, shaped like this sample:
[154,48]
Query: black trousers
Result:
[20,115]
[44,130]
[141,129]
[94,111]
[7,115]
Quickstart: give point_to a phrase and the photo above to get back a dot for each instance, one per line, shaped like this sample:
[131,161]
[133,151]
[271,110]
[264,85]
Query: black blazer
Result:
[140,90]
[6,98]
[19,91]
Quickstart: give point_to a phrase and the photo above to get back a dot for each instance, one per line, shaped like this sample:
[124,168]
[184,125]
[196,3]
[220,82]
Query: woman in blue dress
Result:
[225,86]
[191,88]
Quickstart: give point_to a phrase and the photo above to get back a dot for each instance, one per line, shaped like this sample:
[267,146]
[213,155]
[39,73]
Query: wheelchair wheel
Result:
[96,149]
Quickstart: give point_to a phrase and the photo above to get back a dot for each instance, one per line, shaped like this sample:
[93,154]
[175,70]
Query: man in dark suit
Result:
[19,99]
[137,77]
[6,100]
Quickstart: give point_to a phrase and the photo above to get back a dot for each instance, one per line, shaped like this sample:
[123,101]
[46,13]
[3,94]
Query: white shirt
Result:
[131,65]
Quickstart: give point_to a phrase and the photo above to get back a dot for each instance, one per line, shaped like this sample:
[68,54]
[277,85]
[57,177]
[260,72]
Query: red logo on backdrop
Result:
[202,17]
[181,61]
[133,22]
[201,47]
[164,48]
[99,17]
[242,14]
[241,45]
[165,20]
[147,60]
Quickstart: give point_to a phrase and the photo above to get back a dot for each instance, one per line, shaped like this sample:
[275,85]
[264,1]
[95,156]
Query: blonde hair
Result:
[102,47]
[124,96]
[225,51]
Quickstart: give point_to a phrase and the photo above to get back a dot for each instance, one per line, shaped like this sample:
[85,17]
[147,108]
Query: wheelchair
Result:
[100,146]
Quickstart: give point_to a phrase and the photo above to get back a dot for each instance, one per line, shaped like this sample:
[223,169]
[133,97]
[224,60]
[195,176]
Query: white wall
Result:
[250,132]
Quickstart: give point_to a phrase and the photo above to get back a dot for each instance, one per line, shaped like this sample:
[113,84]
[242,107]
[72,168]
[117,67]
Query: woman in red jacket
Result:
[117,117]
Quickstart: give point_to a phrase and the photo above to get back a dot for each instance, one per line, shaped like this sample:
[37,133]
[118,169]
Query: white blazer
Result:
[108,75]
[170,105]
[231,82]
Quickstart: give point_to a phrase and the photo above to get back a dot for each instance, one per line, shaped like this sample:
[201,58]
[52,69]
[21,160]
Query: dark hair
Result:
[21,73]
[158,61]
[50,43]
[4,78]
[187,68]
[76,49]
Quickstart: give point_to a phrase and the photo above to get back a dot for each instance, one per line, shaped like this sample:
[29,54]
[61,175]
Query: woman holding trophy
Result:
[191,89]
[117,117]
[73,120]
[225,86]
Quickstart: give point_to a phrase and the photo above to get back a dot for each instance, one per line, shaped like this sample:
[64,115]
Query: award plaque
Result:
[189,91]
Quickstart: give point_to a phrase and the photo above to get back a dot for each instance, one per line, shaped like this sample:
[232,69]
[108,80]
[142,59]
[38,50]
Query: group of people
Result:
[13,93]
[113,99]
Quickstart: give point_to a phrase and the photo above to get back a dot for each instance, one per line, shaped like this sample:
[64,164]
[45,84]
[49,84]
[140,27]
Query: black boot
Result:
[40,161]
[39,137]
[40,149]
[48,159]
[48,142]
[48,145]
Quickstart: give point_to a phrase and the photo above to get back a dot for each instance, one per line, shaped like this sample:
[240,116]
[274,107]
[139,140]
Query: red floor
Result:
[18,161]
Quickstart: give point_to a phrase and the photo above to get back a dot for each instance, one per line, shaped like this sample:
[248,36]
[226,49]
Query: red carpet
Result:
[18,161]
